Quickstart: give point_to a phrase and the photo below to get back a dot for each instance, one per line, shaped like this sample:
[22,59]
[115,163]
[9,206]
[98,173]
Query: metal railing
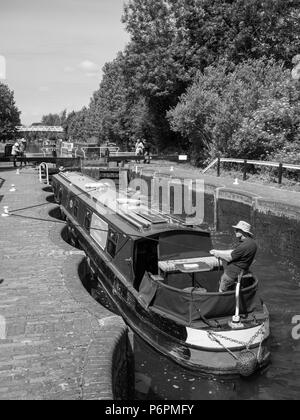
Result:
[121,154]
[97,152]
[48,151]
[46,168]
[245,162]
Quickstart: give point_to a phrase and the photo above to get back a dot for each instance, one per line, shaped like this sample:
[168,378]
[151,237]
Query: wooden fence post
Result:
[280,173]
[245,171]
[219,167]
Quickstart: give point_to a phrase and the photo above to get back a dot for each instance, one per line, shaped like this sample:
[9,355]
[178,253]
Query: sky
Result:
[54,51]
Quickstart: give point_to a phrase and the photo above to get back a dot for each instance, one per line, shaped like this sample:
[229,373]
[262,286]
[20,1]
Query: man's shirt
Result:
[242,258]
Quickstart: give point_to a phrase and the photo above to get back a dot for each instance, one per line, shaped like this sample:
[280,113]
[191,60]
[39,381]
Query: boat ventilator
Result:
[247,361]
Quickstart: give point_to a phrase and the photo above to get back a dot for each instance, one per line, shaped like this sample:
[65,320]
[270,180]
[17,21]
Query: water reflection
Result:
[158,378]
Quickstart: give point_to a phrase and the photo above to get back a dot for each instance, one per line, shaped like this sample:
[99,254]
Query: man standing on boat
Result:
[238,260]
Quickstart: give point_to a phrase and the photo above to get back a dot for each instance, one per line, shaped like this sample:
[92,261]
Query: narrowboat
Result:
[160,276]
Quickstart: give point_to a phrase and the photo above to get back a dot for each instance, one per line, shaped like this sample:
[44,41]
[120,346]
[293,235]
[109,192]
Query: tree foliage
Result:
[9,114]
[171,41]
[247,110]
[54,119]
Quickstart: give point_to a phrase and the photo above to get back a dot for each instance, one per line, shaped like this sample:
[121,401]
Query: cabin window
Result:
[75,208]
[99,231]
[112,242]
[87,221]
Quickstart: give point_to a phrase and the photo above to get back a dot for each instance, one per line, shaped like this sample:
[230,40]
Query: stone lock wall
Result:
[276,225]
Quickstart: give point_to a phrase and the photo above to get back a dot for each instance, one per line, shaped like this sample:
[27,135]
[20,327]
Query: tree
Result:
[215,117]
[115,112]
[9,114]
[51,120]
[77,126]
[173,40]
[66,124]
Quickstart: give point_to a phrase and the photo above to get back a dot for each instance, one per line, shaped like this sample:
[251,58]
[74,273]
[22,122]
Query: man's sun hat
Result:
[244,227]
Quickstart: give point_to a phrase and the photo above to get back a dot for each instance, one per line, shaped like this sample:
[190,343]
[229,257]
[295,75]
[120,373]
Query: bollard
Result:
[171,172]
[5,212]
[18,172]
[236,182]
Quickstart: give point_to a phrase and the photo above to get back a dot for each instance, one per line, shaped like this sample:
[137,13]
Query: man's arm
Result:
[224,255]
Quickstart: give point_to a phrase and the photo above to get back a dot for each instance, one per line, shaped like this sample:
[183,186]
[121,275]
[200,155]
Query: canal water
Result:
[158,378]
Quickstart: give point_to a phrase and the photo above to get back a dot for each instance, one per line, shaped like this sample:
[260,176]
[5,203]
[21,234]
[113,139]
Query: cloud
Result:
[44,89]
[69,69]
[2,68]
[93,74]
[88,66]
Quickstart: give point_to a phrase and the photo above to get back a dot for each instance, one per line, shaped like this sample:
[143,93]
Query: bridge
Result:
[40,129]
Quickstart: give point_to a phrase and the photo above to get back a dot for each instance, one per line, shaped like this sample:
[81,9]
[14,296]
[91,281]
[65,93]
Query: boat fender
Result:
[246,363]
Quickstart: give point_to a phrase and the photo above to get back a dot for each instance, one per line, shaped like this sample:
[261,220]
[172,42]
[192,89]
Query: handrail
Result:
[65,150]
[121,154]
[278,165]
[102,150]
[47,151]
[45,165]
[253,162]
[210,166]
[236,318]
[262,163]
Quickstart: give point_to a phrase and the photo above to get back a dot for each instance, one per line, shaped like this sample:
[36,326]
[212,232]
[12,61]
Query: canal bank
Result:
[56,342]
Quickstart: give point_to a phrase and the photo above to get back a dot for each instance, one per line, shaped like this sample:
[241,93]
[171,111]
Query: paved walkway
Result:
[52,342]
[269,192]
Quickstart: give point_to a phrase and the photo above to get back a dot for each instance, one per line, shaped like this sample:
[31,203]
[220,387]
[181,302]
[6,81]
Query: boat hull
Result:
[151,328]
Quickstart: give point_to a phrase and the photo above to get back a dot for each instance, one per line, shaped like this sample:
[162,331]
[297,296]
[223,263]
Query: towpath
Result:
[56,342]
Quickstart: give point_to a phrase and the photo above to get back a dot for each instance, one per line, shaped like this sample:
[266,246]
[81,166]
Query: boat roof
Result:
[129,215]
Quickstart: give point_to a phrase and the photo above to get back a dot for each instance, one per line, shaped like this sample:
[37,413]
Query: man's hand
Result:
[224,255]
[214,253]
